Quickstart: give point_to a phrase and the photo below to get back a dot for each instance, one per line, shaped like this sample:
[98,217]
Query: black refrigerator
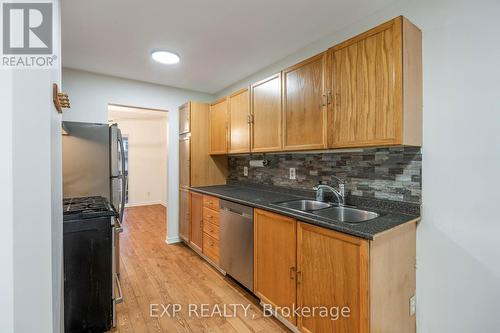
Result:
[94,185]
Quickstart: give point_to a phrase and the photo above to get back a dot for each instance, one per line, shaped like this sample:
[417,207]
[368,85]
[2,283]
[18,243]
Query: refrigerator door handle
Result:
[113,271]
[124,177]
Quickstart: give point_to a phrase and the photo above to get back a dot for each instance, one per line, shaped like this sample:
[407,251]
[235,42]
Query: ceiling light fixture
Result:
[165,57]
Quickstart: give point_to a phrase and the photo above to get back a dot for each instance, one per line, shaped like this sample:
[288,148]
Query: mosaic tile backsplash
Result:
[382,173]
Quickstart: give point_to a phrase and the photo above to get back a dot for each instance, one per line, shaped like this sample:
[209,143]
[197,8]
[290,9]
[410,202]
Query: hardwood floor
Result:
[153,272]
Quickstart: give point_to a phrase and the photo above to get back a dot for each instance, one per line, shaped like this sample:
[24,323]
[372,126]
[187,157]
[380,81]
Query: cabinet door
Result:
[184,215]
[239,124]
[196,220]
[218,127]
[275,259]
[184,161]
[305,105]
[332,272]
[266,115]
[366,79]
[205,169]
[185,118]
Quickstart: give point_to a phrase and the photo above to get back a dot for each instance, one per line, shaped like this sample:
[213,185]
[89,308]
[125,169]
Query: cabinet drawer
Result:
[211,202]
[211,247]
[210,215]
[211,229]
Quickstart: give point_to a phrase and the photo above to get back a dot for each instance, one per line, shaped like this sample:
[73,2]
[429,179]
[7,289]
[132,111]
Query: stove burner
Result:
[86,207]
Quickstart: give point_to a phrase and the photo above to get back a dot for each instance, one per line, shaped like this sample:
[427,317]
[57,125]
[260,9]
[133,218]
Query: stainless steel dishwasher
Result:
[236,242]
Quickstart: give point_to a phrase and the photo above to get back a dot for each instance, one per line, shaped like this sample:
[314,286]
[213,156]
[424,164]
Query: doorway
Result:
[145,139]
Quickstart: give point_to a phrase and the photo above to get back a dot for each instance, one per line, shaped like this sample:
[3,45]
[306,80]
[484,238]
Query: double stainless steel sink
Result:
[329,210]
[304,205]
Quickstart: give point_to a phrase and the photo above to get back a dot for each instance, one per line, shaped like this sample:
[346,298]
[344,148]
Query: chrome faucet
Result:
[338,192]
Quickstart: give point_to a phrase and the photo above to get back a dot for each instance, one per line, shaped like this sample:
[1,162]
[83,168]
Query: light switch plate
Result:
[413,305]
[292,173]
[245,171]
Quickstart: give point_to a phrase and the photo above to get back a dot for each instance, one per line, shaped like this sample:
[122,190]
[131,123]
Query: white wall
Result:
[6,204]
[147,160]
[31,199]
[90,94]
[458,245]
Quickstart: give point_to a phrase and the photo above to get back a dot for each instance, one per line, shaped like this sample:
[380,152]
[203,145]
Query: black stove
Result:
[86,208]
[88,244]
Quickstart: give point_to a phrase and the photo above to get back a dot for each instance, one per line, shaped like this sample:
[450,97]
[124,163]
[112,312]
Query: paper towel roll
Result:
[259,163]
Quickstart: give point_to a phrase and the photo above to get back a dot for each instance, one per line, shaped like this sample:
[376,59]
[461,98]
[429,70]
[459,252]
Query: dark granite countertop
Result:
[391,213]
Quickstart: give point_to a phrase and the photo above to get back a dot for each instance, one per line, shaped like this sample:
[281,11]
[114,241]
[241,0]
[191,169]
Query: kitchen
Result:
[323,177]
[282,233]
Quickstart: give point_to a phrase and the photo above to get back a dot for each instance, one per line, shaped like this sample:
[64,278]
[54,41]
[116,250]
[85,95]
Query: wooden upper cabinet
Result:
[376,80]
[204,169]
[305,105]
[332,272]
[239,122]
[185,118]
[275,259]
[218,123]
[185,160]
[266,115]
[196,221]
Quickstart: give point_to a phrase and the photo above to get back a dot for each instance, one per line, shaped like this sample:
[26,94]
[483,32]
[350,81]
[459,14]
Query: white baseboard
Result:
[172,240]
[147,203]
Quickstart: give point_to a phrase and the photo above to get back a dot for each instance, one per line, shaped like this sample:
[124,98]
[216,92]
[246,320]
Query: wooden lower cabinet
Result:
[333,273]
[210,215]
[366,285]
[275,259]
[196,239]
[211,248]
[211,202]
[211,228]
[184,214]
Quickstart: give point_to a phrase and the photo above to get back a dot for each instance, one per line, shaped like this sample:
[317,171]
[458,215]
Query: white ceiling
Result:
[219,41]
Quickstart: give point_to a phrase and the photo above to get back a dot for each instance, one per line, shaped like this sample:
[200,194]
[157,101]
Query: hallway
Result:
[159,274]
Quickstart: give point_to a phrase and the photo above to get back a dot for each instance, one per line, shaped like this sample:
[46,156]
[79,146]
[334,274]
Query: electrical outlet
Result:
[292,173]
[245,171]
[413,305]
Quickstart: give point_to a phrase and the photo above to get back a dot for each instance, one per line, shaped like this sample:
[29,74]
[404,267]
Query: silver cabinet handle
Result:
[118,299]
